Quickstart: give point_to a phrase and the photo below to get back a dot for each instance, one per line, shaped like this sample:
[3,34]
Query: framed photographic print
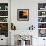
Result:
[23,14]
[42,32]
[4,29]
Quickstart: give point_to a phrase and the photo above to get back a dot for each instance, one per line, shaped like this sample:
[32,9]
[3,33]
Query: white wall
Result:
[32,5]
[25,4]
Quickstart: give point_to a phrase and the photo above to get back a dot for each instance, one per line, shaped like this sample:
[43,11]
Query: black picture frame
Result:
[22,14]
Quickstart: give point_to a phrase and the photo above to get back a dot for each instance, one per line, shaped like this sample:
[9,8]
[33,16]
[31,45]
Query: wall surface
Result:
[25,4]
[32,5]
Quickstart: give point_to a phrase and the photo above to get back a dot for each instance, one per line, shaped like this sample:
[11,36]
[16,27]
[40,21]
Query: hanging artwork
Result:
[23,14]
[42,32]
